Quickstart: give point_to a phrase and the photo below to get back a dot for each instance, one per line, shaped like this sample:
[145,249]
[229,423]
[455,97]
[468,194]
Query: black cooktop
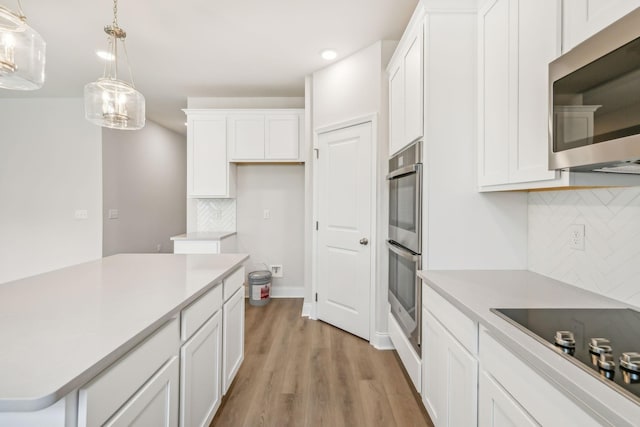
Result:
[593,339]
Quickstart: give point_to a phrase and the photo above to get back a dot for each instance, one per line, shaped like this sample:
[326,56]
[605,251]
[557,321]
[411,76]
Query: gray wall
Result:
[144,176]
[279,239]
[50,166]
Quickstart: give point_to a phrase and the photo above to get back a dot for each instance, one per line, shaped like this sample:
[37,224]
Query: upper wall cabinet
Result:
[583,18]
[406,94]
[265,136]
[517,40]
[209,174]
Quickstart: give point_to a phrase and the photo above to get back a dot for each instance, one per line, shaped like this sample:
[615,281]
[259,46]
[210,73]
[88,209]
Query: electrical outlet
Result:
[158,247]
[276,270]
[576,237]
[81,214]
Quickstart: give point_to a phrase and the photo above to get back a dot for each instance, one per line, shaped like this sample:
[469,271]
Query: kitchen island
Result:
[501,371]
[61,330]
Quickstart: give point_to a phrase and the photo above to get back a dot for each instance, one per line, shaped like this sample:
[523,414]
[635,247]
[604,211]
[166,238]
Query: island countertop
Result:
[59,329]
[204,235]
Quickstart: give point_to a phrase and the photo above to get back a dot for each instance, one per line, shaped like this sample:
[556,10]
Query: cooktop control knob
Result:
[565,339]
[630,361]
[600,345]
[606,362]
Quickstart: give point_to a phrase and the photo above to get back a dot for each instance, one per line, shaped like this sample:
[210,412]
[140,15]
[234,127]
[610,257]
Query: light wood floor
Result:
[301,372]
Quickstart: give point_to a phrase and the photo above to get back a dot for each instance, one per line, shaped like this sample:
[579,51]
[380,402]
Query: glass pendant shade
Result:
[22,53]
[114,104]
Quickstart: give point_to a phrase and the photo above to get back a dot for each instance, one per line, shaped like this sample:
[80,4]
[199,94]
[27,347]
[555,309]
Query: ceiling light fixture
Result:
[109,101]
[22,52]
[329,54]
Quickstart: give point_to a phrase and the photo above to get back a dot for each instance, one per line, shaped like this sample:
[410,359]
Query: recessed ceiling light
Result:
[103,54]
[329,54]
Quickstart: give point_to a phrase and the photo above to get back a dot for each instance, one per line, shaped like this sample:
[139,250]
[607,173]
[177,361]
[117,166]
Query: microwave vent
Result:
[629,167]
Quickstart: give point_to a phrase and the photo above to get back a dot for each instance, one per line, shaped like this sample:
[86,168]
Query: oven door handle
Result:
[401,252]
[407,170]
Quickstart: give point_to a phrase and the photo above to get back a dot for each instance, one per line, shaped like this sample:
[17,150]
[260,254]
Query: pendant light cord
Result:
[20,12]
[115,13]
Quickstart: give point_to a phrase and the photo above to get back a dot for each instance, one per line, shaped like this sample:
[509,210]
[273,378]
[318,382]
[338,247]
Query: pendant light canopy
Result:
[109,101]
[22,52]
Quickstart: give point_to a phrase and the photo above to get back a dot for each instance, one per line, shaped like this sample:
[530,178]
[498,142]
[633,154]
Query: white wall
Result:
[50,166]
[144,175]
[279,239]
[610,263]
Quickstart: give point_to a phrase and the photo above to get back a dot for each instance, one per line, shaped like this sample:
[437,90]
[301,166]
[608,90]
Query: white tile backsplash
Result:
[216,215]
[610,263]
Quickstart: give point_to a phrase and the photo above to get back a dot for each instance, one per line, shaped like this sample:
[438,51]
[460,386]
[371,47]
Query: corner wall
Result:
[144,175]
[50,166]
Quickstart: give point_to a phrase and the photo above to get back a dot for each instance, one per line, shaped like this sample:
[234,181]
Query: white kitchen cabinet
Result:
[406,82]
[265,135]
[449,369]
[209,174]
[583,18]
[155,404]
[200,376]
[517,39]
[542,402]
[496,407]
[233,337]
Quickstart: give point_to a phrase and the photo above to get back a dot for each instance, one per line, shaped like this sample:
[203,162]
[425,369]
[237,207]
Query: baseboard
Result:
[306,309]
[382,341]
[286,292]
[411,361]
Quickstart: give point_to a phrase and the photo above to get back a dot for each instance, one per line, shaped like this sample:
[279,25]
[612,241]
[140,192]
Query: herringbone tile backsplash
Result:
[610,263]
[216,215]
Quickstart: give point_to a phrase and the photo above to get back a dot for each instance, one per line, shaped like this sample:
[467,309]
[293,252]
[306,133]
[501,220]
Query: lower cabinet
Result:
[200,381]
[450,376]
[155,404]
[497,408]
[449,364]
[233,337]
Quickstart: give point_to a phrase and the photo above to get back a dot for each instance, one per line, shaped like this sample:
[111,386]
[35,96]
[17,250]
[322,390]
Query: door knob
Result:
[364,241]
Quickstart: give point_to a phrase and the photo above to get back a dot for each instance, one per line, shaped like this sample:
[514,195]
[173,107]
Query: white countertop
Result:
[60,329]
[476,292]
[204,235]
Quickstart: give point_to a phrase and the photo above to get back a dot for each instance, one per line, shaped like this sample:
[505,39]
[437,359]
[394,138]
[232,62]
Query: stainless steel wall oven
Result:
[405,240]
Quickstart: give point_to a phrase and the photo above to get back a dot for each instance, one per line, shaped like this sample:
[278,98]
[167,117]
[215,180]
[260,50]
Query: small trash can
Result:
[259,287]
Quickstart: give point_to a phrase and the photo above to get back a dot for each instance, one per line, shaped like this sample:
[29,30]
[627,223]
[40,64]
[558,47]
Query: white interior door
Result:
[344,229]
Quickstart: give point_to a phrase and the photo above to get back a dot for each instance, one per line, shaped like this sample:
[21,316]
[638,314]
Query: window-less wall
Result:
[50,167]
[144,175]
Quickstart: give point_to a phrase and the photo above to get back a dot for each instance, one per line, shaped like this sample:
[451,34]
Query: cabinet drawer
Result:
[199,311]
[543,401]
[104,395]
[233,282]
[458,324]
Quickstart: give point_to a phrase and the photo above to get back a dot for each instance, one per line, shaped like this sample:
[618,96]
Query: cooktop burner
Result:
[604,342]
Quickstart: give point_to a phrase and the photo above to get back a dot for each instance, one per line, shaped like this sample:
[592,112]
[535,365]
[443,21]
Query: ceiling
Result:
[206,48]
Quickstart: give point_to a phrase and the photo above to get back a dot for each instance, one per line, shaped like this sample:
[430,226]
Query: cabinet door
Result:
[433,381]
[207,167]
[155,404]
[449,375]
[497,408]
[583,18]
[233,338]
[396,109]
[246,137]
[497,108]
[538,44]
[282,137]
[413,93]
[200,382]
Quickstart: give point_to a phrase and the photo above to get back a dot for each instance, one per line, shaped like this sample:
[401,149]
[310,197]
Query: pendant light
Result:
[22,52]
[109,101]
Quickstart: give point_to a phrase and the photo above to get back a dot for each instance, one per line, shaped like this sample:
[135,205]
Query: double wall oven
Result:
[405,240]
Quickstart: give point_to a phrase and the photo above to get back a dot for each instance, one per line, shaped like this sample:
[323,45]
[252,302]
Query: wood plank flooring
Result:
[301,372]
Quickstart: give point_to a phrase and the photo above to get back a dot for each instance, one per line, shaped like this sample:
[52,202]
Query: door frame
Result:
[373,240]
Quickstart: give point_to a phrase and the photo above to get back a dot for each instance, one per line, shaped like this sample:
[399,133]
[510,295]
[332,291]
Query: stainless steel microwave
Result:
[594,102]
